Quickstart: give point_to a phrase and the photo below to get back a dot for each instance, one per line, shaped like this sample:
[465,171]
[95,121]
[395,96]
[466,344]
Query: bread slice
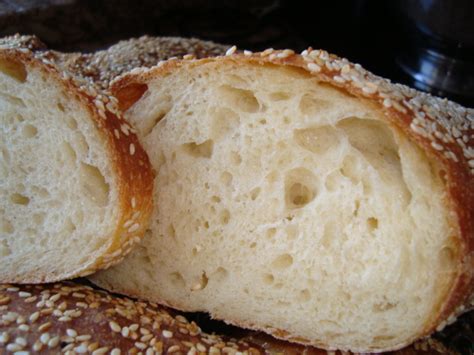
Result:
[303,196]
[75,184]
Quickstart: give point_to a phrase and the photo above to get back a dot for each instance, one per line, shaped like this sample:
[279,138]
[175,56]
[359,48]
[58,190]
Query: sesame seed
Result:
[437,146]
[24,294]
[55,297]
[133,202]
[44,338]
[133,327]
[114,326]
[37,346]
[173,349]
[167,334]
[125,332]
[140,345]
[13,347]
[53,342]
[247,53]
[71,332]
[81,349]
[24,327]
[84,337]
[314,67]
[21,341]
[44,327]
[192,351]
[134,228]
[13,289]
[65,319]
[31,299]
[20,320]
[146,338]
[4,337]
[115,351]
[5,300]
[231,50]
[200,347]
[100,351]
[149,351]
[78,295]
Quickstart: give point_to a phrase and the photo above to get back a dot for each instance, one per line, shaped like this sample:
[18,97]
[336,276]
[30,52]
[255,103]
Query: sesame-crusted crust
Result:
[70,317]
[130,163]
[442,129]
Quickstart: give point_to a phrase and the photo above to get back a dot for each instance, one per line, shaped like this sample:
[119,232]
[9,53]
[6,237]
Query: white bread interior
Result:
[285,204]
[58,188]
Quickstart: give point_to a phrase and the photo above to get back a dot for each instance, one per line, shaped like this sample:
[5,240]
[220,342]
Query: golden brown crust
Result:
[67,316]
[443,129]
[71,317]
[130,162]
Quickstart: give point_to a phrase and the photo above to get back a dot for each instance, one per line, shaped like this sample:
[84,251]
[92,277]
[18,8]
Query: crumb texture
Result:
[286,203]
[57,185]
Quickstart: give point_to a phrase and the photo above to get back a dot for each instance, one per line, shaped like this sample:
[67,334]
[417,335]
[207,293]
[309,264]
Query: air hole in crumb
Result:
[226,178]
[252,245]
[6,226]
[268,279]
[279,96]
[254,193]
[19,199]
[292,231]
[225,217]
[356,208]
[263,121]
[201,283]
[68,152]
[170,231]
[383,307]
[177,280]
[61,107]
[5,248]
[13,69]
[38,218]
[215,199]
[317,140]
[220,274]
[206,224]
[235,158]
[300,187]
[240,99]
[94,184]
[29,131]
[310,105]
[283,261]
[71,123]
[372,224]
[202,150]
[271,232]
[304,295]
[224,121]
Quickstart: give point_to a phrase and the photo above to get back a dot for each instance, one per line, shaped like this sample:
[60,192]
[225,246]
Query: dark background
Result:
[378,34]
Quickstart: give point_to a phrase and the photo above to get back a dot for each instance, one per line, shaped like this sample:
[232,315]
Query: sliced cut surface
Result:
[64,204]
[285,204]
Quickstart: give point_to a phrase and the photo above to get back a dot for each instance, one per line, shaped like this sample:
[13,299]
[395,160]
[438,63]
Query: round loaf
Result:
[75,183]
[303,196]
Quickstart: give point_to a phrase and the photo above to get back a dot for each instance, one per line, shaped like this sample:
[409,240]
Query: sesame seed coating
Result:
[108,324]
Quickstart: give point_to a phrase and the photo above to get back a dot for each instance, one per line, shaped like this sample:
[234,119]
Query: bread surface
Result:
[303,196]
[72,318]
[75,185]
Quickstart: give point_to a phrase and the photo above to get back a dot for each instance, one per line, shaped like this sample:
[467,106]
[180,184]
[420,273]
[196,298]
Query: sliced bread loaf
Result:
[303,196]
[75,184]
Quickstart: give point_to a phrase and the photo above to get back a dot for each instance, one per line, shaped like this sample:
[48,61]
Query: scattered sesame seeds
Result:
[132,148]
[167,334]
[231,50]
[24,294]
[115,327]
[314,67]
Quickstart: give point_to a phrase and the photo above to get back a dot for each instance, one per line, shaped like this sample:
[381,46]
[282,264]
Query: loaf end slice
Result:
[75,184]
[303,196]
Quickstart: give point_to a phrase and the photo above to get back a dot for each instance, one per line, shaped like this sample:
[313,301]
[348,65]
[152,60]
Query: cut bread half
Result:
[75,184]
[303,196]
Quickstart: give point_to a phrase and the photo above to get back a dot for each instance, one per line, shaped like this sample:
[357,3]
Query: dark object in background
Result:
[439,53]
[423,43]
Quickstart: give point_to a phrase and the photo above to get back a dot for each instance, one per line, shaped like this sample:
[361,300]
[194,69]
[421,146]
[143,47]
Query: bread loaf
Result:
[72,319]
[303,196]
[75,184]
